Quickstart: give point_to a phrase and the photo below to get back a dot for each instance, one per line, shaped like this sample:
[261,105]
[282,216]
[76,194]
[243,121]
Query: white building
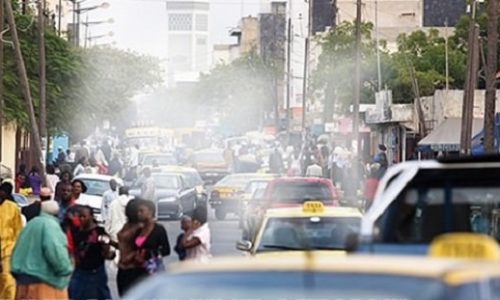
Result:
[189,50]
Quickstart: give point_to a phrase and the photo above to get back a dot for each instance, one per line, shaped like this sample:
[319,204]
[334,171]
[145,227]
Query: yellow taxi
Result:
[310,227]
[317,275]
[226,194]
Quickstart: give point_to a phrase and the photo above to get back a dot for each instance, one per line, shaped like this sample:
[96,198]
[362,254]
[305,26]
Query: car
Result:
[210,164]
[226,194]
[152,160]
[294,191]
[192,178]
[321,275]
[311,227]
[96,185]
[174,196]
[419,200]
[252,193]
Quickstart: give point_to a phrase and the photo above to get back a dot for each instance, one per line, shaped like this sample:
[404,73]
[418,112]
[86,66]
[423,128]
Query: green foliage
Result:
[84,87]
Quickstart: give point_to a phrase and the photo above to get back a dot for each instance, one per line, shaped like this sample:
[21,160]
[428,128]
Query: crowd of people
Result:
[54,248]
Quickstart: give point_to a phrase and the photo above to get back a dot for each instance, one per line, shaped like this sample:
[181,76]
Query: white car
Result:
[96,185]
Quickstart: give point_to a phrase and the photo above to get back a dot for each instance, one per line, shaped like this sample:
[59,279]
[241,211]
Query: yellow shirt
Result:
[10,226]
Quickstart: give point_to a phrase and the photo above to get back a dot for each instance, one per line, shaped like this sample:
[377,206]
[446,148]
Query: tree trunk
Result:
[2,20]
[25,88]
[42,75]
[491,70]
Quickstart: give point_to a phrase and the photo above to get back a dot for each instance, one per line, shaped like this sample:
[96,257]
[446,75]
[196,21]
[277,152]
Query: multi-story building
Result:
[58,11]
[189,50]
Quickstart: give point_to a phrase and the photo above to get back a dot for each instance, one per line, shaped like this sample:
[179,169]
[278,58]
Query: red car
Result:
[294,191]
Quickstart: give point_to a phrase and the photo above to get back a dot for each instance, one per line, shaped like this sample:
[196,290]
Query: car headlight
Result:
[168,199]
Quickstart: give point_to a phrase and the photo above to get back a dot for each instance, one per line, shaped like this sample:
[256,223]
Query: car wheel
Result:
[220,214]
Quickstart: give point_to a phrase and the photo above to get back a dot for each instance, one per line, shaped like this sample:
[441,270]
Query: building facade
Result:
[189,50]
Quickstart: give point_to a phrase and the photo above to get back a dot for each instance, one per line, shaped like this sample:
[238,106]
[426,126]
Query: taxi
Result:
[449,272]
[417,201]
[311,227]
[226,194]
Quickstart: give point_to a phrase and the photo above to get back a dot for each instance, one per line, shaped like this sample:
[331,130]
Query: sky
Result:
[140,25]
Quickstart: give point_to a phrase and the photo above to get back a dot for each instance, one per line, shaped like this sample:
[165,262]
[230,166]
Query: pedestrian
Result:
[186,224]
[40,260]
[371,185]
[82,151]
[148,186]
[67,204]
[61,156]
[108,197]
[35,181]
[115,165]
[314,170]
[81,166]
[79,188]
[197,240]
[128,271]
[116,217]
[8,189]
[101,161]
[92,167]
[65,179]
[33,209]
[295,165]
[70,157]
[276,165]
[52,179]
[20,177]
[91,249]
[10,227]
[152,242]
[134,158]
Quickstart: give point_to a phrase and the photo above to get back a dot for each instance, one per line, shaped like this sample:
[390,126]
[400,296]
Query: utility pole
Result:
[306,65]
[24,85]
[447,63]
[377,38]
[357,78]
[42,75]
[470,83]
[59,17]
[289,76]
[491,72]
[2,104]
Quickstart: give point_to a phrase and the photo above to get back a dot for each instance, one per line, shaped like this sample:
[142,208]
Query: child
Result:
[186,224]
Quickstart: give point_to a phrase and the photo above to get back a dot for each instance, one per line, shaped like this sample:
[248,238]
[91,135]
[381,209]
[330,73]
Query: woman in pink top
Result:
[197,240]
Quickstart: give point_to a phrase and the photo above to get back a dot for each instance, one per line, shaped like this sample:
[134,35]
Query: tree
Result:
[329,81]
[243,91]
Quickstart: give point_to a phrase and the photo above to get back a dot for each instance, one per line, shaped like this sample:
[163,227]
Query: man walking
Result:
[40,260]
[148,186]
[108,197]
[116,214]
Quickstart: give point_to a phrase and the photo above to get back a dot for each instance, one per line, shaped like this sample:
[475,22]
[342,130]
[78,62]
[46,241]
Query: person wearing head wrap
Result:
[40,260]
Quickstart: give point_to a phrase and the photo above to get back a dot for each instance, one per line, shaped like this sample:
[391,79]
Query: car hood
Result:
[90,200]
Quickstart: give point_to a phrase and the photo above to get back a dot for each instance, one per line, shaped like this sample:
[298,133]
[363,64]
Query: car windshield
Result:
[161,160]
[292,285]
[431,206]
[298,192]
[169,182]
[96,187]
[255,185]
[209,157]
[327,233]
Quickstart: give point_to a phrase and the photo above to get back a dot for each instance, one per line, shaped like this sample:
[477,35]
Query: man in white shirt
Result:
[148,187]
[197,240]
[116,214]
[108,197]
[134,156]
[314,170]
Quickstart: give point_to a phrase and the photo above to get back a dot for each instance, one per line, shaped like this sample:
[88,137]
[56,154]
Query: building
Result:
[188,39]
[59,14]
[403,16]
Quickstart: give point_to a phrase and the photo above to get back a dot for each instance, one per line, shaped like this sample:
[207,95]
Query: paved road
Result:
[225,234]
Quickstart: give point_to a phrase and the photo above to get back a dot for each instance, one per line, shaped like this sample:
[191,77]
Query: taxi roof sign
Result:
[468,246]
[313,207]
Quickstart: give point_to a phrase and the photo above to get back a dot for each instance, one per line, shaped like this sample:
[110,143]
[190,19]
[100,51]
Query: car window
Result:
[236,181]
[292,285]
[96,187]
[255,185]
[307,233]
[298,192]
[167,182]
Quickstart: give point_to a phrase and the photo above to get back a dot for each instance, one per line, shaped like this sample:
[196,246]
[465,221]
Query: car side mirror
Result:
[245,246]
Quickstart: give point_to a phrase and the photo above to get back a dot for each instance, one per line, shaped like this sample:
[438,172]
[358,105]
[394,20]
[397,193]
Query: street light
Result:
[92,23]
[97,37]
[77,10]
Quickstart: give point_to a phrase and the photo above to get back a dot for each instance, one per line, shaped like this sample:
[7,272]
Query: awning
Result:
[446,136]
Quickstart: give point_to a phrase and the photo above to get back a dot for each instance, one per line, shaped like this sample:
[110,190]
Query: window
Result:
[298,192]
[202,22]
[180,22]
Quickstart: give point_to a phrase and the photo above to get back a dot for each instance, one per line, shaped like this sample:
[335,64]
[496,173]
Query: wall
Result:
[9,147]
[249,34]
